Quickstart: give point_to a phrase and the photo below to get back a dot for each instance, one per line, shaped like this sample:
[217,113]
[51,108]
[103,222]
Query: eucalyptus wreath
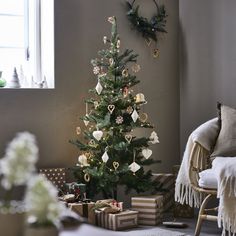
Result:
[148,28]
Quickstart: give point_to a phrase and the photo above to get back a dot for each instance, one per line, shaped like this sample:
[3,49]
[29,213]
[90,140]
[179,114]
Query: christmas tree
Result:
[110,154]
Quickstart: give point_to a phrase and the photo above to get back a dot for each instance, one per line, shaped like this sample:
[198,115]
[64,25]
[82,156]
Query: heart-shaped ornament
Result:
[86,122]
[128,137]
[105,157]
[148,41]
[97,134]
[92,142]
[147,152]
[111,108]
[115,165]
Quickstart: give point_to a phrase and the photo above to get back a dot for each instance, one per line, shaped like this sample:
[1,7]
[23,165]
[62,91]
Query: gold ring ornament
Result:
[86,177]
[143,117]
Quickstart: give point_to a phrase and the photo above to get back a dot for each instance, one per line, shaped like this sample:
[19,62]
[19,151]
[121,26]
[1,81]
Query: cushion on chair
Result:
[226,141]
[207,179]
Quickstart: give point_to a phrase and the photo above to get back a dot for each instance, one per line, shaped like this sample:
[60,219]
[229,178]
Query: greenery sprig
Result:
[148,28]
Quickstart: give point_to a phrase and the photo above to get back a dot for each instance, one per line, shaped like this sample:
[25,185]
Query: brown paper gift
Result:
[123,220]
[56,175]
[150,209]
[167,183]
[84,210]
[184,211]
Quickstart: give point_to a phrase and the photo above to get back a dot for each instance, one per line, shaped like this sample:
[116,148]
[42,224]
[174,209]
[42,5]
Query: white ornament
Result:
[14,82]
[86,122]
[97,134]
[99,88]
[154,138]
[147,152]
[134,167]
[105,157]
[135,115]
[82,159]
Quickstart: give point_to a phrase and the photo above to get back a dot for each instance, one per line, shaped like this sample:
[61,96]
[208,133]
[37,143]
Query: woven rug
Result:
[87,230]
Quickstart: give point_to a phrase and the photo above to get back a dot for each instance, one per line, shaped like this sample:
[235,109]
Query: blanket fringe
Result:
[185,194]
[229,184]
[227,222]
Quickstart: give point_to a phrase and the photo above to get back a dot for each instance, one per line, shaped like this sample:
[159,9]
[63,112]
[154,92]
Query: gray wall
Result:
[52,115]
[207,60]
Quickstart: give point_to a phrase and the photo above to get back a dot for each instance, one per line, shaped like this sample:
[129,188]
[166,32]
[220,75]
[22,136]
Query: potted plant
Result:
[16,168]
[43,208]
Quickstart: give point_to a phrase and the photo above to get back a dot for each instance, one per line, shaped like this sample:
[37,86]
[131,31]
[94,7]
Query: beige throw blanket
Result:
[225,171]
[205,135]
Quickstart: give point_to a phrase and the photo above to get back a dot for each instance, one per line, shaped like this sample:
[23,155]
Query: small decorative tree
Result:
[111,154]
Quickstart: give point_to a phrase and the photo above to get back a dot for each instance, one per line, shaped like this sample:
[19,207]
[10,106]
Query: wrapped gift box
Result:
[56,175]
[123,220]
[184,211]
[84,209]
[167,184]
[150,209]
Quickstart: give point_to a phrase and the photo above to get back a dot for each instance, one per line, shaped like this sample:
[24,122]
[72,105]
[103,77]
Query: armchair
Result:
[198,158]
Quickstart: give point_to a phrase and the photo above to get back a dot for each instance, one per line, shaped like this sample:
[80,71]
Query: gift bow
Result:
[108,206]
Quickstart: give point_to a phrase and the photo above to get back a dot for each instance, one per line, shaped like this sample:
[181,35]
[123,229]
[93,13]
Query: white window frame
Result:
[38,65]
[40,47]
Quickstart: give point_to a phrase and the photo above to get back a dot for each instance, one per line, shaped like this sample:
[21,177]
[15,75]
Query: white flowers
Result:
[18,164]
[154,138]
[119,120]
[42,203]
[96,70]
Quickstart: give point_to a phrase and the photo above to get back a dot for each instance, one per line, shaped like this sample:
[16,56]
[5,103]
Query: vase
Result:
[2,81]
[12,224]
[41,231]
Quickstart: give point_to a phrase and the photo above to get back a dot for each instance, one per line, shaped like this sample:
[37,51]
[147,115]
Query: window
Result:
[27,43]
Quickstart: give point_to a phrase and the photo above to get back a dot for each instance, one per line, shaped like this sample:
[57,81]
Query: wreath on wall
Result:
[148,28]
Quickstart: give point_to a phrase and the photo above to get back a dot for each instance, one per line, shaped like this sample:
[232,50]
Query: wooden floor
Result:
[208,228]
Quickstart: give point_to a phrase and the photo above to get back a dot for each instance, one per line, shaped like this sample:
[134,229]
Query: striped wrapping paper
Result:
[149,208]
[167,182]
[84,210]
[123,220]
